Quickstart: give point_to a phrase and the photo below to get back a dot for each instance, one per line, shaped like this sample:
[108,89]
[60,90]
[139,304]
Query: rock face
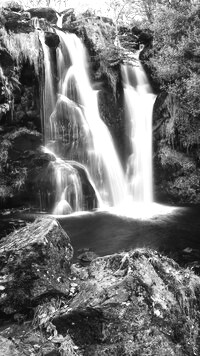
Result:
[35,262]
[136,303]
[44,12]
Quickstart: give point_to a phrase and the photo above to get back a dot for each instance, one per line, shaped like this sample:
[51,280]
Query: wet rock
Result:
[44,12]
[50,351]
[12,15]
[21,141]
[35,262]
[133,303]
[66,14]
[52,39]
[5,58]
[86,257]
[8,348]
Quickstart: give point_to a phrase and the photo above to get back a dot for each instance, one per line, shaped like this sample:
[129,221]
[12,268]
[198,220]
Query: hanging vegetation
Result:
[22,46]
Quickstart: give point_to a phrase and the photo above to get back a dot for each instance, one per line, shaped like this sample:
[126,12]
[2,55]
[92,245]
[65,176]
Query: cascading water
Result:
[139,101]
[89,174]
[73,129]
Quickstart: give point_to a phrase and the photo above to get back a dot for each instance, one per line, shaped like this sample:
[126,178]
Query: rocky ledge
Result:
[131,303]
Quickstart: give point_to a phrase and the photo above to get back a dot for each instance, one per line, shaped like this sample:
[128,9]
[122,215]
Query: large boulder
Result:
[35,262]
[52,39]
[44,12]
[136,303]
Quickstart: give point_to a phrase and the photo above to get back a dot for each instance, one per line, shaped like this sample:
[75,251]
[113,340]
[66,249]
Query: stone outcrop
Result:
[45,13]
[35,263]
[133,303]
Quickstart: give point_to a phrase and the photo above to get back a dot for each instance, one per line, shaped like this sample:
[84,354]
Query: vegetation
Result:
[176,53]
[13,172]
[22,46]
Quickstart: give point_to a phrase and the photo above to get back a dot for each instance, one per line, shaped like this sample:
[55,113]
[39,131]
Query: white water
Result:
[139,101]
[49,98]
[73,128]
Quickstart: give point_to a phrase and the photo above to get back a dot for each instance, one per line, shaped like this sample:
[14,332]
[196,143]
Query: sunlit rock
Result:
[138,302]
[35,261]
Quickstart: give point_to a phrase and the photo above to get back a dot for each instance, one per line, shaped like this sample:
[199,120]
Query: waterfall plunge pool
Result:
[176,233]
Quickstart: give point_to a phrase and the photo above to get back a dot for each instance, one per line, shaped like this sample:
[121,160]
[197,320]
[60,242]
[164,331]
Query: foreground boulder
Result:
[35,262]
[136,303]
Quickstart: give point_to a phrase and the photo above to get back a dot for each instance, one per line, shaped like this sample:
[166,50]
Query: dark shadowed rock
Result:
[6,59]
[19,26]
[52,39]
[11,15]
[44,12]
[35,262]
[23,140]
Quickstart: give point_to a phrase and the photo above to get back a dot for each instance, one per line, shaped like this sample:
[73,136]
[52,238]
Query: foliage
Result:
[176,53]
[22,46]
[179,175]
[13,172]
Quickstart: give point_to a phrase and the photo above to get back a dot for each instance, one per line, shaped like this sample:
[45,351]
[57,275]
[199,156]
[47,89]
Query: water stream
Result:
[74,130]
[139,101]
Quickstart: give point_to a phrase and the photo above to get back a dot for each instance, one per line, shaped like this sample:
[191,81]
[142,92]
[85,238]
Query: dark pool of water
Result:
[176,234]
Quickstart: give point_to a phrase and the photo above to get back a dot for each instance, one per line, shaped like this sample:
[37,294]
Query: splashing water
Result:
[74,130]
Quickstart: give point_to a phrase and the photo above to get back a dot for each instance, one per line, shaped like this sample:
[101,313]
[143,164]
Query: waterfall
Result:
[139,101]
[74,131]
